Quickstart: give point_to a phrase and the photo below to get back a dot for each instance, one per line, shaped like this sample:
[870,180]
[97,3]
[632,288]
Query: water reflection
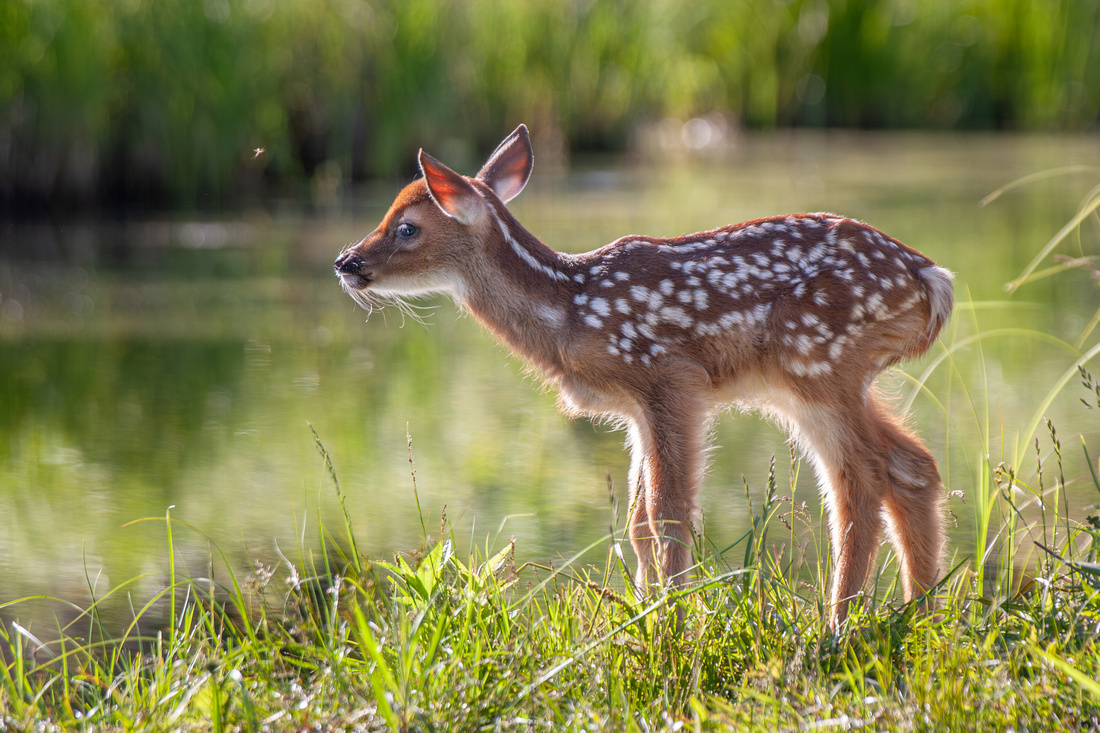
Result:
[159,364]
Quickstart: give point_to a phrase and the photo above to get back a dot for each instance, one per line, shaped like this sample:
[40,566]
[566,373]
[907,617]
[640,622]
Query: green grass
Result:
[435,641]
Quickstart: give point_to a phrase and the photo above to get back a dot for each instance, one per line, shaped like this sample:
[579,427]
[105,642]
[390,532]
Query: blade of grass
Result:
[355,559]
[1082,214]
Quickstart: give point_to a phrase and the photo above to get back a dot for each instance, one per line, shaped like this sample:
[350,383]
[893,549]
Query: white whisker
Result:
[409,309]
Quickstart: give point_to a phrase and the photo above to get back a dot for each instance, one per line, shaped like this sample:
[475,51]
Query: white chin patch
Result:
[351,282]
[406,286]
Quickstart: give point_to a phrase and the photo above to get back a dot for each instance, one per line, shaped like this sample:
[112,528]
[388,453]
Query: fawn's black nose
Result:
[348,264]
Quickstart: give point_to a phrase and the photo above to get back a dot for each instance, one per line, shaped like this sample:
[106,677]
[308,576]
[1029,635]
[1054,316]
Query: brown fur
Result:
[793,316]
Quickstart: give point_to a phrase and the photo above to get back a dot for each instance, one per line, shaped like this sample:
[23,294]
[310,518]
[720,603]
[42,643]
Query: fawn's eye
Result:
[405,230]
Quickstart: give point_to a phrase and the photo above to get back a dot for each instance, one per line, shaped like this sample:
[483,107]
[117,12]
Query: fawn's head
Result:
[434,227]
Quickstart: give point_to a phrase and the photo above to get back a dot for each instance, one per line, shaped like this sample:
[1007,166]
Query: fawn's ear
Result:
[450,191]
[509,167]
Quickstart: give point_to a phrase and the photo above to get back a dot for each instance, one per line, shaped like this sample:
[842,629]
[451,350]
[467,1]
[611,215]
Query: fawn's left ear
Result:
[509,167]
[451,192]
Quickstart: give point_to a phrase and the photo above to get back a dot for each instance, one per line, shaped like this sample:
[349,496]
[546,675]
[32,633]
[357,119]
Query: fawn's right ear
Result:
[509,167]
[451,192]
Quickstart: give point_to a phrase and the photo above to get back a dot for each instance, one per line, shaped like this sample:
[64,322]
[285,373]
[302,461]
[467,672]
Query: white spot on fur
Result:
[761,312]
[554,316]
[837,347]
[731,319]
[877,306]
[732,279]
[676,315]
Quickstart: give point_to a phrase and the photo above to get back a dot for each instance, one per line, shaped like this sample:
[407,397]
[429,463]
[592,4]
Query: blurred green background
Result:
[169,320]
[164,103]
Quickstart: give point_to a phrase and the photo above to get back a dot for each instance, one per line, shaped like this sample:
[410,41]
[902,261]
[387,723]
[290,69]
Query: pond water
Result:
[177,365]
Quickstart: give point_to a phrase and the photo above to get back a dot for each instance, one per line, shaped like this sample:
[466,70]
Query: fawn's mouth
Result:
[352,280]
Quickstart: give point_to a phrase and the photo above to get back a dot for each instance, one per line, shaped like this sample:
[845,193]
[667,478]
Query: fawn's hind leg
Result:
[855,524]
[871,469]
[914,507]
[842,441]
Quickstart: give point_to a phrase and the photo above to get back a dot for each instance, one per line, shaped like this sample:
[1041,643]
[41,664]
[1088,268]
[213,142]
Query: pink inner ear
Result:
[508,175]
[509,166]
[518,166]
[442,187]
[450,191]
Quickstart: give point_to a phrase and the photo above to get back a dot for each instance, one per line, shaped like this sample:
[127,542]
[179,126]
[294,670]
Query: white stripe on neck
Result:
[523,253]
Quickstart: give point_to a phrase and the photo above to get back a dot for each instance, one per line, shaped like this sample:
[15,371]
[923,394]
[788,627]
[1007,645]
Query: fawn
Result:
[791,316]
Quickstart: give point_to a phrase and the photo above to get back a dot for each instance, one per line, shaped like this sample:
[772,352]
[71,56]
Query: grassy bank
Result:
[167,102]
[432,641]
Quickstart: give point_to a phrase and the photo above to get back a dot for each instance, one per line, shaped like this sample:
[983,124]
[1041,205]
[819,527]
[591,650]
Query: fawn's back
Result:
[811,295]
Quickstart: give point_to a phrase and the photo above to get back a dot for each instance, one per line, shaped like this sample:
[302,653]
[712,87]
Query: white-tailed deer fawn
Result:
[792,316]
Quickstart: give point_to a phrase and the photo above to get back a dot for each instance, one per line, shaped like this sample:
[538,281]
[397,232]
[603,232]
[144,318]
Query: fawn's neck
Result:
[522,292]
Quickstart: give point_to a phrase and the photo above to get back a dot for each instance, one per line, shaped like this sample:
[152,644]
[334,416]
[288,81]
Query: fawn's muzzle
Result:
[350,264]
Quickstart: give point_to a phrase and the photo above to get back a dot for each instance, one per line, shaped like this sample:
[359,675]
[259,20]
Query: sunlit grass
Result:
[432,640]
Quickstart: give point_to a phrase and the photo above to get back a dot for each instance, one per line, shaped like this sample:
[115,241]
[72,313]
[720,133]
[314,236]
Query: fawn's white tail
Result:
[790,315]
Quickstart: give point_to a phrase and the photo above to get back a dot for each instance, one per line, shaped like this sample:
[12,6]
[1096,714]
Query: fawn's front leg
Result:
[668,448]
[642,538]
